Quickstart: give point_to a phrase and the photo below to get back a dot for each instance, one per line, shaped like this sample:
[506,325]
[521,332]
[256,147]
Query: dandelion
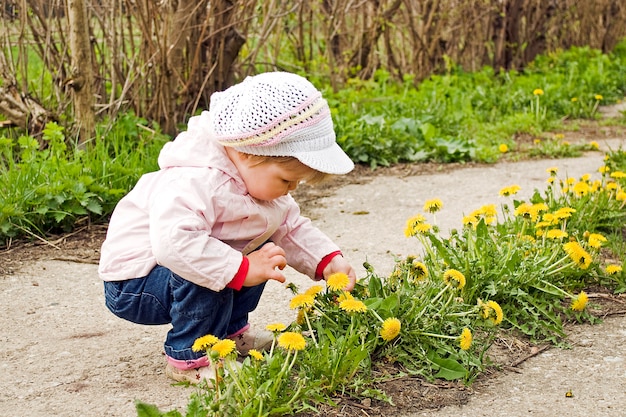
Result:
[224,347]
[578,254]
[510,190]
[454,278]
[302,301]
[618,174]
[204,343]
[390,329]
[275,327]
[620,196]
[338,281]
[314,290]
[613,269]
[594,145]
[255,354]
[503,148]
[419,269]
[291,341]
[491,310]
[564,213]
[465,340]
[556,234]
[598,97]
[345,295]
[411,223]
[353,306]
[552,171]
[611,186]
[574,99]
[596,240]
[537,92]
[433,206]
[470,220]
[580,302]
[604,169]
[581,189]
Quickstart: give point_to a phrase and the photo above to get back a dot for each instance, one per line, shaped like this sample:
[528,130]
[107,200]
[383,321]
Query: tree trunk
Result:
[81,78]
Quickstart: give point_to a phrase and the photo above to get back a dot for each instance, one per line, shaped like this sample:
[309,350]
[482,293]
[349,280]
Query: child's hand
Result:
[263,264]
[339,264]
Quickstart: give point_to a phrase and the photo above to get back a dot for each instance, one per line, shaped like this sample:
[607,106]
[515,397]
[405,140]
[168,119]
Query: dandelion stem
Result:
[442,336]
[308,322]
[562,291]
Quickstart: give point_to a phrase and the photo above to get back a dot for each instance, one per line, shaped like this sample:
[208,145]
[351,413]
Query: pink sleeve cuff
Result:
[319,272]
[237,282]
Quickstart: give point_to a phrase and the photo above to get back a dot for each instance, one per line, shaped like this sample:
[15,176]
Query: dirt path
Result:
[64,354]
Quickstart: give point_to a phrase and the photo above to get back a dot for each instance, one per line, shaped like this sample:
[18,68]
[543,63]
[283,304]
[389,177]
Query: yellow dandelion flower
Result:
[618,174]
[581,189]
[620,196]
[598,97]
[503,148]
[578,254]
[314,290]
[537,92]
[454,278]
[574,99]
[465,340]
[488,210]
[604,169]
[353,306]
[338,281]
[345,295]
[523,210]
[470,220]
[579,303]
[409,230]
[301,301]
[224,347]
[255,354]
[419,269]
[510,190]
[552,171]
[594,145]
[275,327]
[559,136]
[564,213]
[204,343]
[492,311]
[596,240]
[291,341]
[556,234]
[433,206]
[613,269]
[390,329]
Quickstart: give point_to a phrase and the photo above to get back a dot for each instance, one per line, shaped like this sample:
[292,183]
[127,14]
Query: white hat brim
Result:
[331,160]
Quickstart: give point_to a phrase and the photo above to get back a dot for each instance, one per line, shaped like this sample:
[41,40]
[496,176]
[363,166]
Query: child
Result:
[194,243]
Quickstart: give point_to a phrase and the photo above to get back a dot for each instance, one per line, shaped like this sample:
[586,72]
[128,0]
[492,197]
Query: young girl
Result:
[194,243]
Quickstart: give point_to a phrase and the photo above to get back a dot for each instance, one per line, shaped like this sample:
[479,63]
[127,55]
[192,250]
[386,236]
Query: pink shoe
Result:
[193,375]
[250,338]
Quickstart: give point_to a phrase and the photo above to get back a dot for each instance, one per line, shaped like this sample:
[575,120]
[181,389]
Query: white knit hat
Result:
[278,114]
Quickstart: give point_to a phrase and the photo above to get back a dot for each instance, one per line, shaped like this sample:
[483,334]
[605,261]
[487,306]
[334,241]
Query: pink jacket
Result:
[195,217]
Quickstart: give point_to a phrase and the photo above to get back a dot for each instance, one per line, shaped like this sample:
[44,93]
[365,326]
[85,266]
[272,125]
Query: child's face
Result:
[269,180]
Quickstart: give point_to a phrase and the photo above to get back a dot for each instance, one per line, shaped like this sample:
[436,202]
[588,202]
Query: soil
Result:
[64,354]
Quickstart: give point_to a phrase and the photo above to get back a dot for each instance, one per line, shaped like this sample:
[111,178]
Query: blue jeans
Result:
[163,297]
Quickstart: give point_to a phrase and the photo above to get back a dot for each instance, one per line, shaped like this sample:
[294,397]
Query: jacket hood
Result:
[196,147]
